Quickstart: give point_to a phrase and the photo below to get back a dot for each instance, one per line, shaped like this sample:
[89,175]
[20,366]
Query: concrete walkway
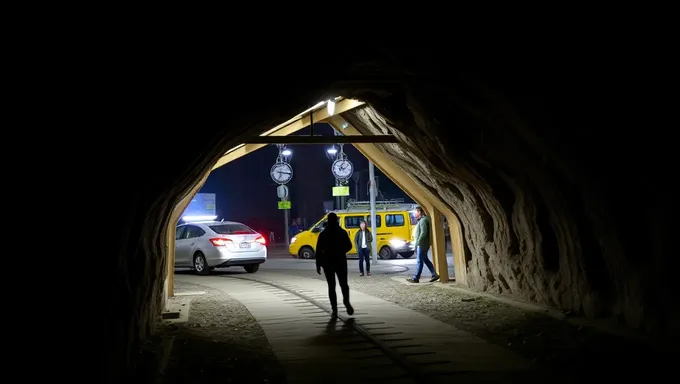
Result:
[298,332]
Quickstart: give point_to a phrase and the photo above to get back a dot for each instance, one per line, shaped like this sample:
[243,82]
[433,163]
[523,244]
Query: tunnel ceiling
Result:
[553,206]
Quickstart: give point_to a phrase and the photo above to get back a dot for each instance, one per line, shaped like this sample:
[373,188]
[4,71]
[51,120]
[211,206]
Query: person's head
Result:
[419,212]
[362,225]
[332,220]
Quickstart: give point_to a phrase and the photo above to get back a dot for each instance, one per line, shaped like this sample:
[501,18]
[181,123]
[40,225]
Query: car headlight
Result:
[293,239]
[397,243]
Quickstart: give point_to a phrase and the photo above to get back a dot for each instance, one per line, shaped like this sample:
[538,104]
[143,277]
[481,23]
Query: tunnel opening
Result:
[388,219]
[418,145]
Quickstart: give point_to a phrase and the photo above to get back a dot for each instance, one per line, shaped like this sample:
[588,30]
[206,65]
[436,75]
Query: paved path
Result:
[312,349]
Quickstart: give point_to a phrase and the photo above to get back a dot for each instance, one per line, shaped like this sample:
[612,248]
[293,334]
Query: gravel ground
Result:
[221,343]
[559,346]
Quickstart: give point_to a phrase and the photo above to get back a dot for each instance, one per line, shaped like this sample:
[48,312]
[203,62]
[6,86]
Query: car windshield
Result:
[232,229]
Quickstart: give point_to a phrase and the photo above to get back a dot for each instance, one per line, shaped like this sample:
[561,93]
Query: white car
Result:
[205,246]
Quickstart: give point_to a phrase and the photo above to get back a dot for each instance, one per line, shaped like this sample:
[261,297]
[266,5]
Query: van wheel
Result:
[386,253]
[306,253]
[251,268]
[407,255]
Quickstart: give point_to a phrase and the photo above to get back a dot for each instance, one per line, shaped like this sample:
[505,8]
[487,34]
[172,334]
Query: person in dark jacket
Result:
[362,242]
[331,255]
[422,246]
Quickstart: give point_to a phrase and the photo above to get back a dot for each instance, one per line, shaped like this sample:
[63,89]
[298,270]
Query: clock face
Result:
[281,173]
[342,169]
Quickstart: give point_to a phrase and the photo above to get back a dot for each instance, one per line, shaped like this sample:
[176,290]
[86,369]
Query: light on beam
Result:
[330,104]
[287,152]
[332,151]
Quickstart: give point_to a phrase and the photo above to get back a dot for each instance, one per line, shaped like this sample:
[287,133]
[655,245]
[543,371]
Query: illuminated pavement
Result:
[382,342]
[280,259]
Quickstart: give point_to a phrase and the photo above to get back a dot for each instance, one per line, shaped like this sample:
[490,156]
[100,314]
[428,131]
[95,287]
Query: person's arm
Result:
[357,239]
[347,243]
[320,252]
[423,231]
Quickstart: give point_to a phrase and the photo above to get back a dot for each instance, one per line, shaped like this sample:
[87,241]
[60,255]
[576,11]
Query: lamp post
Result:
[286,154]
[331,154]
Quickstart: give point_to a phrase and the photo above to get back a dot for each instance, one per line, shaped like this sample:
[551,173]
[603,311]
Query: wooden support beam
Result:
[287,128]
[170,233]
[431,203]
[439,245]
[317,139]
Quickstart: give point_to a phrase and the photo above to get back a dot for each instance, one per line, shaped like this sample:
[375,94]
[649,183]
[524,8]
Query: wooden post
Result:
[439,245]
[172,227]
[459,267]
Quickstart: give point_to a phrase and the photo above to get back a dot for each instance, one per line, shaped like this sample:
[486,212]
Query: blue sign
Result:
[203,204]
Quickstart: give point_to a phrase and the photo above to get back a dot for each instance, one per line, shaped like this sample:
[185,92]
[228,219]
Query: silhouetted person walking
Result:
[331,255]
[422,246]
[362,242]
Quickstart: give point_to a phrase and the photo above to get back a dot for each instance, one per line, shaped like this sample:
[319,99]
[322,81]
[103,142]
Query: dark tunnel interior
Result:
[561,187]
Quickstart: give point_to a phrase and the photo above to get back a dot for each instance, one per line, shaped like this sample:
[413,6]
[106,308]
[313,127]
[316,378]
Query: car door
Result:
[181,248]
[351,224]
[184,247]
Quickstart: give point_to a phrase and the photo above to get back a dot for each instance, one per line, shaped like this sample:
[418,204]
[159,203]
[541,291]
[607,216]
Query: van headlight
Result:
[397,243]
[293,239]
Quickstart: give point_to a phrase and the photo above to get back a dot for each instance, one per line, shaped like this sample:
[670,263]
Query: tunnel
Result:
[559,201]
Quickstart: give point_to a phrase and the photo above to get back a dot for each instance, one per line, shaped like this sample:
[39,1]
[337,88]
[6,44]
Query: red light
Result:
[261,240]
[219,241]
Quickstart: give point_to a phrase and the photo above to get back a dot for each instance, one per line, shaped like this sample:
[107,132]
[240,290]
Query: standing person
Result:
[331,255]
[422,246]
[293,229]
[362,241]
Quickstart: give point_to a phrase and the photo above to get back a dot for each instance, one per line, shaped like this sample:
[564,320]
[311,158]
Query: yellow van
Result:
[395,228]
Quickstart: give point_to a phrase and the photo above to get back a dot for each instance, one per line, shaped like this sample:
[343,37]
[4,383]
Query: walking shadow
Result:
[334,330]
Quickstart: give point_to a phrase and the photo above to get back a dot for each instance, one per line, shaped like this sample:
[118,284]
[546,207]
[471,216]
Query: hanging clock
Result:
[281,172]
[342,169]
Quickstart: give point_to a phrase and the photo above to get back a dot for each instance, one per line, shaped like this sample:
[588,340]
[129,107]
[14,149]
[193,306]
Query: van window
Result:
[378,219]
[321,225]
[414,221]
[353,221]
[394,220]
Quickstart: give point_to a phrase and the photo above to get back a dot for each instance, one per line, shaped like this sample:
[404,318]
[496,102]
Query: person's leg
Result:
[361,261]
[419,266]
[430,266]
[368,261]
[332,296]
[344,287]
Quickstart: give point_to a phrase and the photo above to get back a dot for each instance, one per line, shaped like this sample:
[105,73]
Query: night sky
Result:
[246,193]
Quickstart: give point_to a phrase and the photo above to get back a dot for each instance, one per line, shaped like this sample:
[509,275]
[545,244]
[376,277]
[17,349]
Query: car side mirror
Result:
[315,230]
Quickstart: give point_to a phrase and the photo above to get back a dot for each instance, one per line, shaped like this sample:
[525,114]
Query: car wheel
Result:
[407,255]
[252,268]
[200,264]
[386,253]
[306,253]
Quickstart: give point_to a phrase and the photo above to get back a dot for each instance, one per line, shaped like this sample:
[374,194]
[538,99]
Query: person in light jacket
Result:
[362,242]
[422,246]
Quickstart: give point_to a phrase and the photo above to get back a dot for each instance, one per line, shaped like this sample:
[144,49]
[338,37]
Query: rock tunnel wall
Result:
[538,222]
[545,215]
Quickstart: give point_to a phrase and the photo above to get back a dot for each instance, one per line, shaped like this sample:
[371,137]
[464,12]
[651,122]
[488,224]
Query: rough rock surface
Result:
[557,195]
